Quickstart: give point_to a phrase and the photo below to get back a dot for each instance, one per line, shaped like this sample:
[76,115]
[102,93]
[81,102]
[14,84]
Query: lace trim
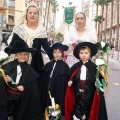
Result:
[27,36]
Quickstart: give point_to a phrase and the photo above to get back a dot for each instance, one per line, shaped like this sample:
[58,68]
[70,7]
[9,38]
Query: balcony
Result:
[10,23]
[11,3]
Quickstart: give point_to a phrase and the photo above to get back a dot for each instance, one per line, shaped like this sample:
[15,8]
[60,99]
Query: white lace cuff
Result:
[75,118]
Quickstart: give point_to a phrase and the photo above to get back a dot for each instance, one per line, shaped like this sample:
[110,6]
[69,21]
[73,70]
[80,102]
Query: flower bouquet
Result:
[102,48]
[102,65]
[3,57]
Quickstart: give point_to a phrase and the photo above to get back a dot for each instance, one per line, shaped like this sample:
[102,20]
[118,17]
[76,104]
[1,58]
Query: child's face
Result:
[84,55]
[22,56]
[57,54]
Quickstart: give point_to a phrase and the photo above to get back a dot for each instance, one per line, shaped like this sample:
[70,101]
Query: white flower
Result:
[99,61]
[55,113]
[102,44]
[3,55]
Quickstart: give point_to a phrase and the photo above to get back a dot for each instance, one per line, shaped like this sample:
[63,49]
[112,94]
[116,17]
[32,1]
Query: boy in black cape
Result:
[81,87]
[54,78]
[23,101]
[3,102]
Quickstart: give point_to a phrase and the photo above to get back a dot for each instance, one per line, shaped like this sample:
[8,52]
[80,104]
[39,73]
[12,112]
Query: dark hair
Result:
[61,50]
[81,13]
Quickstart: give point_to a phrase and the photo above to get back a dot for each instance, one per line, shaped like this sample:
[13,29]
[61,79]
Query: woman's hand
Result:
[8,79]
[20,88]
[70,83]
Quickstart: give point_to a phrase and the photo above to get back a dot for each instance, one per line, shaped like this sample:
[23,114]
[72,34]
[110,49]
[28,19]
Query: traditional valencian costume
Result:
[82,98]
[3,100]
[72,38]
[22,105]
[54,80]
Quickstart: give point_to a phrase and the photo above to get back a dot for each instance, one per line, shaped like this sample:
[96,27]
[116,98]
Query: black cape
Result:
[30,106]
[58,83]
[3,104]
[89,92]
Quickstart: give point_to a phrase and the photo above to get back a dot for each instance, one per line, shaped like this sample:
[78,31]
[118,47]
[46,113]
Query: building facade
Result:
[3,9]
[16,8]
[109,29]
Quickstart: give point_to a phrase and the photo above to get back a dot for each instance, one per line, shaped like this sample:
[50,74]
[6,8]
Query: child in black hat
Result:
[81,85]
[3,102]
[23,101]
[54,78]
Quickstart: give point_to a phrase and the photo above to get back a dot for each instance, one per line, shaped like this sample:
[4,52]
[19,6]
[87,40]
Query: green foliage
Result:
[54,4]
[59,35]
[104,48]
[101,2]
[98,44]
[99,19]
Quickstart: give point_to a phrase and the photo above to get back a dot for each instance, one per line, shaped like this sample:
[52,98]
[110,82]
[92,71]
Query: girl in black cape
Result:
[81,87]
[3,102]
[54,78]
[23,102]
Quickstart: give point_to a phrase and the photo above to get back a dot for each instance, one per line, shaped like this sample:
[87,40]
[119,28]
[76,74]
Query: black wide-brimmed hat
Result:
[92,47]
[58,45]
[19,46]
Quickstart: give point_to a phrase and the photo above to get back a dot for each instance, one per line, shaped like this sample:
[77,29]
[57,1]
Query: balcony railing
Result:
[10,22]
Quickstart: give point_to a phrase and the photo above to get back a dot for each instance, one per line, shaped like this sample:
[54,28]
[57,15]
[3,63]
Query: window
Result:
[114,31]
[11,3]
[4,3]
[4,17]
[10,17]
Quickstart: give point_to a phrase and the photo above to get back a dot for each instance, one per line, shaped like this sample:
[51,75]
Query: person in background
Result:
[82,31]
